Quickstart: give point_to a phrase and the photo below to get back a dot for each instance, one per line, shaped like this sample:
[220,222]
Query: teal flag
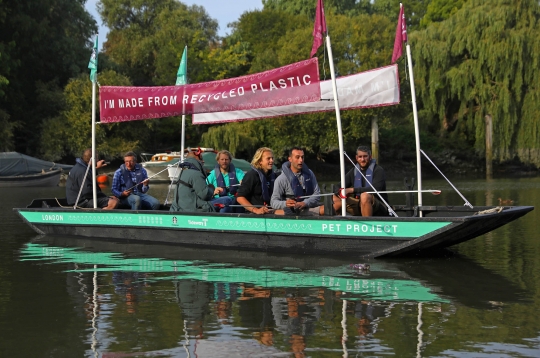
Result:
[92,65]
[181,75]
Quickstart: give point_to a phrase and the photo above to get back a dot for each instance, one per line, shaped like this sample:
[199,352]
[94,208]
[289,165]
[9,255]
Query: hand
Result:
[145,182]
[218,190]
[126,193]
[290,203]
[342,193]
[100,163]
[300,205]
[261,211]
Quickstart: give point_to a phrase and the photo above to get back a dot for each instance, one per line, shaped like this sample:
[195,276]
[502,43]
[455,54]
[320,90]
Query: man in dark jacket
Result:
[80,176]
[192,193]
[359,200]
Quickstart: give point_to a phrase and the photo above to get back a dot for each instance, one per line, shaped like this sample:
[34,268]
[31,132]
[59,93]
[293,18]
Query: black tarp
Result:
[13,163]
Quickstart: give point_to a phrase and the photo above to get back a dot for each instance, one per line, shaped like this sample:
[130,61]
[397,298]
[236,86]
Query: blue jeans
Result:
[224,200]
[140,201]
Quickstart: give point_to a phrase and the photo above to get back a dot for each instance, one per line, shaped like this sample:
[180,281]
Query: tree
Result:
[70,132]
[440,10]
[308,7]
[42,45]
[147,38]
[482,61]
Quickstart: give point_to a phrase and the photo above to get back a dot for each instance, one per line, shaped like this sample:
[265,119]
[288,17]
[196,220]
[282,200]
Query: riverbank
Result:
[450,163]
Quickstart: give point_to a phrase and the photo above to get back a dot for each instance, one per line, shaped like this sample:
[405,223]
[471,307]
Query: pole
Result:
[375,139]
[94,191]
[416,131]
[182,141]
[489,146]
[338,120]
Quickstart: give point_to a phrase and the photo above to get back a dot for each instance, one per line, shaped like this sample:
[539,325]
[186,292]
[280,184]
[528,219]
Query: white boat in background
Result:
[209,163]
[155,165]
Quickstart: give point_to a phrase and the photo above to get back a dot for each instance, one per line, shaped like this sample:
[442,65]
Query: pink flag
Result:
[401,35]
[319,28]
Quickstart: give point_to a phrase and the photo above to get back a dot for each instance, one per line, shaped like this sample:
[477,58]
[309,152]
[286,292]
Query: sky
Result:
[224,11]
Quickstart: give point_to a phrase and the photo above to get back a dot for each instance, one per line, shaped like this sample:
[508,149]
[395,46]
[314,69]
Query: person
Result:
[296,180]
[192,193]
[80,176]
[258,184]
[130,185]
[362,203]
[226,179]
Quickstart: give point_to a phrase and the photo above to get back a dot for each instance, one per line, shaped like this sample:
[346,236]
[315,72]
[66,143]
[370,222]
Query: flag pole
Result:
[181,79]
[338,120]
[93,76]
[94,191]
[415,113]
[416,131]
[319,29]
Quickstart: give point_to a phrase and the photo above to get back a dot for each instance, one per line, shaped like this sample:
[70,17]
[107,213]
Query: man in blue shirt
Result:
[130,185]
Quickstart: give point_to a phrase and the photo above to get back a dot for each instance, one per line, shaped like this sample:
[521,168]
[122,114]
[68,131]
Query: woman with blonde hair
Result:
[258,184]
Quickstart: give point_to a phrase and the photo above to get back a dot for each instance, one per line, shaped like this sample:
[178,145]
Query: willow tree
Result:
[483,61]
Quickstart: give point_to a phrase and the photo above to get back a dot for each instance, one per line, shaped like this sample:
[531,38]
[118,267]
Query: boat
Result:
[411,230]
[408,234]
[158,164]
[161,167]
[19,170]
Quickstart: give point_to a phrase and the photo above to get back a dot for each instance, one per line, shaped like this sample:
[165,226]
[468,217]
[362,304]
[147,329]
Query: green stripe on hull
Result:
[352,228]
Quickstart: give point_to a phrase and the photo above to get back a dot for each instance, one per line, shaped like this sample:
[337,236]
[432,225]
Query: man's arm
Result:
[145,181]
[116,186]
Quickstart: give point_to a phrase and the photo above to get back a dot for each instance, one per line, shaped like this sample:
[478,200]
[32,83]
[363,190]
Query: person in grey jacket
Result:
[296,180]
[192,193]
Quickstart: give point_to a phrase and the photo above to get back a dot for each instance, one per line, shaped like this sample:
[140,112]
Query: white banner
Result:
[374,88]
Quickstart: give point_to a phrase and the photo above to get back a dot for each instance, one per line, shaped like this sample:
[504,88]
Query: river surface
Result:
[72,297]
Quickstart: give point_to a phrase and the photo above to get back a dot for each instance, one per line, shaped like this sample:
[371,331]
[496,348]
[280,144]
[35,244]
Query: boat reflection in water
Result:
[237,302]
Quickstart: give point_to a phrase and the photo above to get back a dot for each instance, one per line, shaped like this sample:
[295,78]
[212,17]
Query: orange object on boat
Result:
[103,179]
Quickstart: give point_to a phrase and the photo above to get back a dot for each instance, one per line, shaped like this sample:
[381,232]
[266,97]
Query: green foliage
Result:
[147,38]
[70,132]
[440,10]
[484,61]
[307,8]
[42,45]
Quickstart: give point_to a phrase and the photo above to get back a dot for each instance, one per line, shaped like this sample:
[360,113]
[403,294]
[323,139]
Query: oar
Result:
[310,196]
[148,178]
[241,206]
[434,192]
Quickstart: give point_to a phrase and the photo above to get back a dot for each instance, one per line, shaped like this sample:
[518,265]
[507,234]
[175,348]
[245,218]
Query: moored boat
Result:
[157,166]
[19,170]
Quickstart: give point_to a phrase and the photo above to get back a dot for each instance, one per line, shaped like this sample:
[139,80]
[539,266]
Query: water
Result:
[72,297]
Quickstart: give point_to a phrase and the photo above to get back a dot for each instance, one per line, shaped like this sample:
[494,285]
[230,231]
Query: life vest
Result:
[139,177]
[296,186]
[233,180]
[359,181]
[267,186]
